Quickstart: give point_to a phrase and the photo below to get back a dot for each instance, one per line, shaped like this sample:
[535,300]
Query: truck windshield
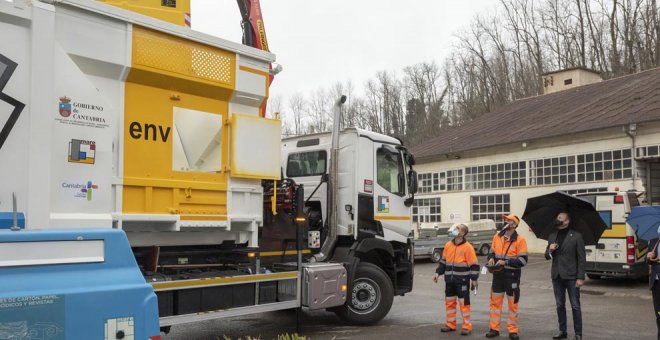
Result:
[390,169]
[311,163]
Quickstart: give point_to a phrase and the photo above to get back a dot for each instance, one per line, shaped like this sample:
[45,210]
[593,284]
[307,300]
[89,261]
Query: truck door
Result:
[390,192]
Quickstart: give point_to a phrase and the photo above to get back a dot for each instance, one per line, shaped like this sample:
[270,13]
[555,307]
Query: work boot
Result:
[446,329]
[514,336]
[466,332]
[560,336]
[492,333]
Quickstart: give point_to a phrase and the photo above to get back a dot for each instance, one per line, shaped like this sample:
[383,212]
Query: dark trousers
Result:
[656,304]
[458,289]
[562,286]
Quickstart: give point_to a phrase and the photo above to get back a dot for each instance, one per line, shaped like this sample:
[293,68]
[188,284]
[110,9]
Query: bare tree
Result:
[298,109]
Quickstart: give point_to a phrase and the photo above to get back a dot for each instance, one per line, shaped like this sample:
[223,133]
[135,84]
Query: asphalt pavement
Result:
[611,309]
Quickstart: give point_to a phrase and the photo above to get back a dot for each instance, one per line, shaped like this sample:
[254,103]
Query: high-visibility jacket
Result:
[458,263]
[512,250]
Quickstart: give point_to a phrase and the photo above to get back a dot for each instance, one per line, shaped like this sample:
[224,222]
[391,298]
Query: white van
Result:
[618,253]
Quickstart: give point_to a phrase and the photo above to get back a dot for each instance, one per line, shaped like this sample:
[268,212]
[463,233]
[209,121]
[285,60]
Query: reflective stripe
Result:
[522,259]
[474,272]
[494,311]
[511,268]
[497,294]
[451,272]
[457,264]
[451,319]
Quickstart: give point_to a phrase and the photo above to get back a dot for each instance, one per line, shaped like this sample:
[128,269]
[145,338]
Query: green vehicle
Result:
[430,242]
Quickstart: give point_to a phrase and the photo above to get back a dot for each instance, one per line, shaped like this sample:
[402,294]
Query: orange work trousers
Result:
[510,288]
[458,294]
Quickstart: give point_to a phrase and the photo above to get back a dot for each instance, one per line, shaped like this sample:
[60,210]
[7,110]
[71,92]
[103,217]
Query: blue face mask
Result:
[453,233]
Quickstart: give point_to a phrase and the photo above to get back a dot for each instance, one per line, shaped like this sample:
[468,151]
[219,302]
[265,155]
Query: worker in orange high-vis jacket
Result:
[508,253]
[461,270]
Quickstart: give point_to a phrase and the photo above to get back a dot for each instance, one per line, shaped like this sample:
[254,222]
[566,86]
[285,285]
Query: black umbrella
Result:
[541,211]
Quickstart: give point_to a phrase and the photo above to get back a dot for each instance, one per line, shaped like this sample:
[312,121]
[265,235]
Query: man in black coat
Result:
[566,250]
[654,279]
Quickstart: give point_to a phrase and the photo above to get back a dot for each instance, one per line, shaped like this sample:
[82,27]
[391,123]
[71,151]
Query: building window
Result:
[604,166]
[455,180]
[427,182]
[490,207]
[650,151]
[503,175]
[585,191]
[555,170]
[426,210]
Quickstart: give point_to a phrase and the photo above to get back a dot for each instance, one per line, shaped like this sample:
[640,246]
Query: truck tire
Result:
[436,256]
[484,249]
[371,296]
[594,276]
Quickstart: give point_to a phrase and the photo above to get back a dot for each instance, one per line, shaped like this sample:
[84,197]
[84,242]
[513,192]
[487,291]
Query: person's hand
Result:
[500,263]
[491,262]
[553,247]
[579,283]
[435,278]
[475,285]
[651,256]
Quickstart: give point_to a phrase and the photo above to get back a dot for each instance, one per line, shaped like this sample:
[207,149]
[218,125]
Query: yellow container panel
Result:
[198,68]
[151,184]
[172,11]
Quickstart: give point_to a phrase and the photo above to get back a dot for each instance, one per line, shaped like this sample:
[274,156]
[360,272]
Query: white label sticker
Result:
[120,328]
[314,238]
[484,270]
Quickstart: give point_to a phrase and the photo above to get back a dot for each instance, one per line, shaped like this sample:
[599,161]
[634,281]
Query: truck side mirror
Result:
[412,181]
[410,159]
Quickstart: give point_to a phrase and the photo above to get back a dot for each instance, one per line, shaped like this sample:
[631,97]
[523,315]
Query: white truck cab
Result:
[373,195]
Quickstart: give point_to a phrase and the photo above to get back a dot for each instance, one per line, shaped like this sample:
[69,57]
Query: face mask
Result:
[508,226]
[453,233]
[558,223]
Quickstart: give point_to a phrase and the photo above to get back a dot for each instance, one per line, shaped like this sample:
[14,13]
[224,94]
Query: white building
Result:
[578,137]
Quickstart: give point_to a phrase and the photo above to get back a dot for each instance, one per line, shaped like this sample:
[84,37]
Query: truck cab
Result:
[375,189]
[619,253]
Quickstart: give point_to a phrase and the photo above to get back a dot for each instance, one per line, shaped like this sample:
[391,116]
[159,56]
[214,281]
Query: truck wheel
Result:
[594,276]
[484,249]
[436,256]
[371,297]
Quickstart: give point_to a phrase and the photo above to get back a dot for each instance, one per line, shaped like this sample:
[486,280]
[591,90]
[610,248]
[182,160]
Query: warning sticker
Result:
[368,186]
[32,317]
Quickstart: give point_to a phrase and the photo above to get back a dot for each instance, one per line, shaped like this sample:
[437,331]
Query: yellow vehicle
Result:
[619,253]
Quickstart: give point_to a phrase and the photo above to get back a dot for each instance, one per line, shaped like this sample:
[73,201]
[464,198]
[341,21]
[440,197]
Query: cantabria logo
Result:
[84,190]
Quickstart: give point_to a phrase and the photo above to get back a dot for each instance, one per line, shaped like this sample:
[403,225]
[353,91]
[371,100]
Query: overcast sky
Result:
[320,42]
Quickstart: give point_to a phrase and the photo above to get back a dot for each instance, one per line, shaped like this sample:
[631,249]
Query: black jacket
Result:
[569,260]
[655,267]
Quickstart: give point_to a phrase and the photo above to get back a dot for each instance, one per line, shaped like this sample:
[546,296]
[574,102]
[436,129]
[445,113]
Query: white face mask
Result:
[453,233]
